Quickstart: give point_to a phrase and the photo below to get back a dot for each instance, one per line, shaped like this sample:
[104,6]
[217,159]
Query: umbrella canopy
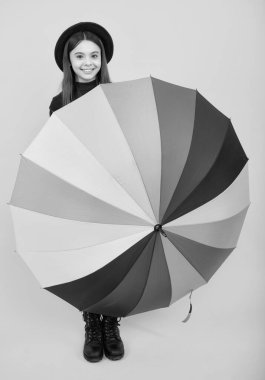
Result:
[130,197]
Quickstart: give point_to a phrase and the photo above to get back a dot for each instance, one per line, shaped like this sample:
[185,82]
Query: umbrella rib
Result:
[209,222]
[144,287]
[74,220]
[140,174]
[168,271]
[188,261]
[85,192]
[203,178]
[80,248]
[161,155]
[138,258]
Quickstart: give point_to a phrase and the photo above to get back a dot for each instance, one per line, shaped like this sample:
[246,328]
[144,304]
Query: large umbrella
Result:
[130,197]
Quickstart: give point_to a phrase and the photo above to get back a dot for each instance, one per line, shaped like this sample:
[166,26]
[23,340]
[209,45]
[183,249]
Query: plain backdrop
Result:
[214,46]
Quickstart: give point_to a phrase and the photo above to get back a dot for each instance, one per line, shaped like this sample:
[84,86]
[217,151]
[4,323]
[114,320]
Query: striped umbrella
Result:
[130,197]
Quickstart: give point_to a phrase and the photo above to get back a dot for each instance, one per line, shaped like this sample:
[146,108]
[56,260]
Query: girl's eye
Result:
[94,56]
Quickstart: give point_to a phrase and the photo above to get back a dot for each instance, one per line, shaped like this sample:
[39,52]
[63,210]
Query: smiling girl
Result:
[82,53]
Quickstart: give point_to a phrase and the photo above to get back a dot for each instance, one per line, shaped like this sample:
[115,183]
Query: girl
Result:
[82,53]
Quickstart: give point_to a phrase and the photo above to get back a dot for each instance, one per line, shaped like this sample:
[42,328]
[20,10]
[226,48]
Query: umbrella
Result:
[130,197]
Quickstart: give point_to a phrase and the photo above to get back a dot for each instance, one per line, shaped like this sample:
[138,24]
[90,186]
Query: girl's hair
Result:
[69,75]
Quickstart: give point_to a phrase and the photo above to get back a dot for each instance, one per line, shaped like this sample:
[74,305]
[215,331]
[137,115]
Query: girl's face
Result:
[85,59]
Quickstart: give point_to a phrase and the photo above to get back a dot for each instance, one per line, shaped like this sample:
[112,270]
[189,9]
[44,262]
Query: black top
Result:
[80,89]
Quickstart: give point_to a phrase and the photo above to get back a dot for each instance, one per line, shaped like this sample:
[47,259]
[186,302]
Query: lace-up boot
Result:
[112,343]
[93,346]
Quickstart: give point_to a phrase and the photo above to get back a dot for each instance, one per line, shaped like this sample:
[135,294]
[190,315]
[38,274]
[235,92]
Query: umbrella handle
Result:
[190,311]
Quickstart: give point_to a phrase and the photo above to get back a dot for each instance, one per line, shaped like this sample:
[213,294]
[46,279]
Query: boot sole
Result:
[114,357]
[92,360]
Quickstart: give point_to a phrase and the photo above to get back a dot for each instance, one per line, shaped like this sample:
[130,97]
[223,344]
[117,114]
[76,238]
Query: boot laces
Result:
[92,327]
[110,327]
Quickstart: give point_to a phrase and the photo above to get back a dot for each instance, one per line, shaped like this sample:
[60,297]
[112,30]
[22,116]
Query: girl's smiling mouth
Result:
[87,70]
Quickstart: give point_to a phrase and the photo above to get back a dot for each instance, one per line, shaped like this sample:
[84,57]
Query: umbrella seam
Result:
[210,222]
[140,174]
[74,220]
[144,287]
[112,289]
[205,175]
[188,152]
[87,246]
[180,251]
[158,123]
[83,191]
[171,291]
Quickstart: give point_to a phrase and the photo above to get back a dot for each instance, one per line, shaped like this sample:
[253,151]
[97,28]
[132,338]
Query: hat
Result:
[97,29]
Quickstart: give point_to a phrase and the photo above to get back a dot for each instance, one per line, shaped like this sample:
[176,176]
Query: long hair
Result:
[69,75]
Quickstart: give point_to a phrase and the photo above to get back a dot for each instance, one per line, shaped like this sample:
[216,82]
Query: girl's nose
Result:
[87,61]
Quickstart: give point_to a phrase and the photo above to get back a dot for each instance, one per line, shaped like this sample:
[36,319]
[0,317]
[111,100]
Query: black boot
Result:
[112,343]
[93,347]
